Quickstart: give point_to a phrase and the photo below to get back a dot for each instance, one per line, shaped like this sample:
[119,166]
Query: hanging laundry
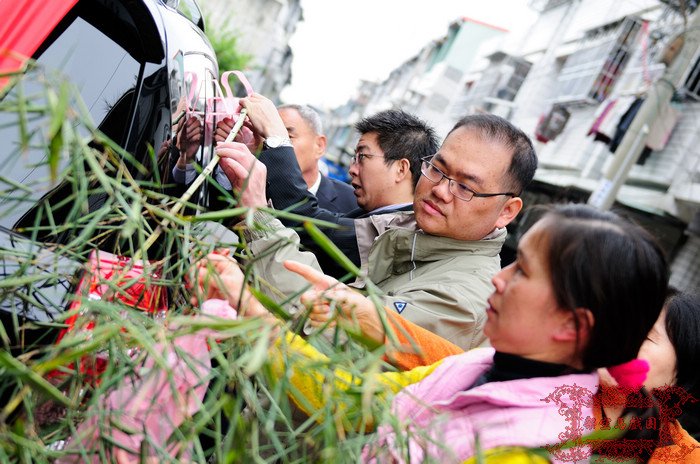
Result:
[608,117]
[625,123]
[660,130]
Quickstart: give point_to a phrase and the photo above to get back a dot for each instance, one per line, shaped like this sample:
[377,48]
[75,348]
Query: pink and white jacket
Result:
[440,418]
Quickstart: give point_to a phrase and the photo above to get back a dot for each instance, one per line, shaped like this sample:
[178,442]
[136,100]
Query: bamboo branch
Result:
[190,191]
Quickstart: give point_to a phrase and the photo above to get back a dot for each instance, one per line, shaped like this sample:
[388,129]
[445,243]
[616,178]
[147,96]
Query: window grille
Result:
[692,82]
[590,73]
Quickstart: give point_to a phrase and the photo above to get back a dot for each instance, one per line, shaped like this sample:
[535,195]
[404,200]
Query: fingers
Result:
[223,128]
[237,151]
[236,156]
[318,279]
[263,116]
[318,307]
[235,172]
[194,129]
[213,275]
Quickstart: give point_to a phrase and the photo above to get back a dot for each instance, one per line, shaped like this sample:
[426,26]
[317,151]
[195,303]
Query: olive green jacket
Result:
[438,283]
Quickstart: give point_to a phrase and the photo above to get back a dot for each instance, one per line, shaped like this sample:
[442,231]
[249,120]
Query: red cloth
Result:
[24,27]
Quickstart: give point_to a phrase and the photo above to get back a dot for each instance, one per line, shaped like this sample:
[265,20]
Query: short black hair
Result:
[524,162]
[612,267]
[401,135]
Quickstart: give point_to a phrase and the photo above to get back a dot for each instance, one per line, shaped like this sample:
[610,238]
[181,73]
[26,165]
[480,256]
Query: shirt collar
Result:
[314,188]
[390,207]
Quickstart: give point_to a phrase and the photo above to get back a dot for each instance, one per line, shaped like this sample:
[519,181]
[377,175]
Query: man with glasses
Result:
[438,275]
[437,270]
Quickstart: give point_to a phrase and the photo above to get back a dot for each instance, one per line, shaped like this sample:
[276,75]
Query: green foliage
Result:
[88,194]
[224,41]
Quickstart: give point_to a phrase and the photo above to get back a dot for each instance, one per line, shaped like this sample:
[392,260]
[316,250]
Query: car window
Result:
[189,9]
[99,67]
[105,75]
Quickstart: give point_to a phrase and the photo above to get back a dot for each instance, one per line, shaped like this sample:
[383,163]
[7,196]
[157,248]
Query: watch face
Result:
[273,141]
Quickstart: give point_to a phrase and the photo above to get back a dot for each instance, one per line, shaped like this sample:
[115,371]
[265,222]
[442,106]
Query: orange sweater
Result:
[416,346]
[684,450]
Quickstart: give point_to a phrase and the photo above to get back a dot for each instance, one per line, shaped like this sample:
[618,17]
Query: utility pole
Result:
[657,97]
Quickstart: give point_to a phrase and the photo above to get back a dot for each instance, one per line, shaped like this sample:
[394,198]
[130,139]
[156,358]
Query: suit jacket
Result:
[335,196]
[286,187]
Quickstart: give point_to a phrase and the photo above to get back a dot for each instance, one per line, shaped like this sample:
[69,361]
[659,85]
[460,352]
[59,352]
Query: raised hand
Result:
[328,294]
[218,276]
[263,115]
[246,134]
[247,175]
[188,140]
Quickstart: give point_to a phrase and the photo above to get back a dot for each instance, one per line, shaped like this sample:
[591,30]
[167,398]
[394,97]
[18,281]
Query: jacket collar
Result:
[398,251]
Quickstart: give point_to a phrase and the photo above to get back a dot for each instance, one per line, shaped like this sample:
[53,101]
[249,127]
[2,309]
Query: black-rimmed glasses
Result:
[459,190]
[360,157]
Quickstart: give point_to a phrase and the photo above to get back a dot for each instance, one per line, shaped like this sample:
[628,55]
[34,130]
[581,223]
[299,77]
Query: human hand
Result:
[264,117]
[327,294]
[245,135]
[223,128]
[188,140]
[164,147]
[219,276]
[247,174]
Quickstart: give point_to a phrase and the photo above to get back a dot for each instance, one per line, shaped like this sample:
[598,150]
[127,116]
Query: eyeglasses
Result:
[459,190]
[360,157]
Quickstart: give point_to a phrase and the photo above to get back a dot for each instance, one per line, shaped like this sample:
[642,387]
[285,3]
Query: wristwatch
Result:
[274,141]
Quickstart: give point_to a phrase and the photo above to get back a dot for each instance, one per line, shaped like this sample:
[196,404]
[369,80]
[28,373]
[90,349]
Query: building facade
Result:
[575,81]
[263,29]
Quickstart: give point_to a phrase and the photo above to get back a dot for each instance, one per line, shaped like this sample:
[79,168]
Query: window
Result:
[501,81]
[189,9]
[692,82]
[590,73]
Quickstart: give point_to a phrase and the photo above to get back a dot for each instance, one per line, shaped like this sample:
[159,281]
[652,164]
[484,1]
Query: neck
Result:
[310,177]
[403,193]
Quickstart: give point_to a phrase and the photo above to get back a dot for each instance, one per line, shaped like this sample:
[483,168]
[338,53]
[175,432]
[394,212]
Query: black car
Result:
[134,63]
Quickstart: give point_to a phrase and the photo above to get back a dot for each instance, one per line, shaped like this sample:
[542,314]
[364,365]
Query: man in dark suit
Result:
[385,170]
[306,134]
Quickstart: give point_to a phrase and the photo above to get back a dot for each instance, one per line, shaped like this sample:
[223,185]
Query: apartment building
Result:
[575,80]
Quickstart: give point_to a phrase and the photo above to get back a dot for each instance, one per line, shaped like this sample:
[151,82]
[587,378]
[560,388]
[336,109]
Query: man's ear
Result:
[403,170]
[509,211]
[575,326]
[320,146]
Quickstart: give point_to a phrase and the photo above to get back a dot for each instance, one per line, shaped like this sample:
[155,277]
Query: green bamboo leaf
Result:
[17,369]
[270,304]
[330,248]
[22,117]
[16,185]
[258,355]
[58,106]
[74,347]
[19,281]
[217,215]
[299,218]
[55,150]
